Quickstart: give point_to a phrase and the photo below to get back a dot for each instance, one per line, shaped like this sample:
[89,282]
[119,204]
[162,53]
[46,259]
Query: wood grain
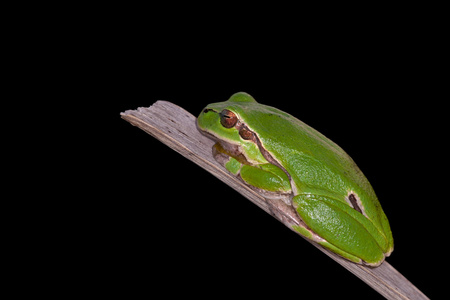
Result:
[176,128]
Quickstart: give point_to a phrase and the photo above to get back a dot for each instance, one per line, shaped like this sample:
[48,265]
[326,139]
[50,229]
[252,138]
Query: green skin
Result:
[279,154]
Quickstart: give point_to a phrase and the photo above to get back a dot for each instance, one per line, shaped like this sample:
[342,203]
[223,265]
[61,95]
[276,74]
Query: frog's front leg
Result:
[262,176]
[266,177]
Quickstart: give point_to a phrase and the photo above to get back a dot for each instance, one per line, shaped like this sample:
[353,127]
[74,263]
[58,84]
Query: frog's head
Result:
[221,118]
[223,122]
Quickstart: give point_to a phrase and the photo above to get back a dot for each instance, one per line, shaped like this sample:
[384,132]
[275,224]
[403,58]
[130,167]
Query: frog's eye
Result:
[227,118]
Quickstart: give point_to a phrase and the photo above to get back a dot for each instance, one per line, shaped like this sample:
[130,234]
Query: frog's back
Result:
[308,156]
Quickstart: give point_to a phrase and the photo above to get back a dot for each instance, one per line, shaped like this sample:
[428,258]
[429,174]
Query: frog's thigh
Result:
[343,233]
[267,177]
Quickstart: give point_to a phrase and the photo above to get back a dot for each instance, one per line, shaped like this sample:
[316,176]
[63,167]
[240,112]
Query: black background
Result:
[175,219]
[122,214]
[162,220]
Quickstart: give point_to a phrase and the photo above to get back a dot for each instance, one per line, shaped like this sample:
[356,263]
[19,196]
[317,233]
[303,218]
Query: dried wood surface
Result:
[176,128]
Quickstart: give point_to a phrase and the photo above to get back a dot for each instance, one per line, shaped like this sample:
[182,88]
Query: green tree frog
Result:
[274,152]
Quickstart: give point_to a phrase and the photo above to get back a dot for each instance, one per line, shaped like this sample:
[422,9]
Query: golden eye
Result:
[227,118]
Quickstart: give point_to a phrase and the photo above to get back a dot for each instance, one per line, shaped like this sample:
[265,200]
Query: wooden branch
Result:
[176,128]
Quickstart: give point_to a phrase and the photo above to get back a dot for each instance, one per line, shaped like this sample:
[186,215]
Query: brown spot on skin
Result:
[354,203]
[246,134]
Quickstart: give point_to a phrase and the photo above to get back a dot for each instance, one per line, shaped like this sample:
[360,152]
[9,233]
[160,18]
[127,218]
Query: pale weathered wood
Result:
[176,128]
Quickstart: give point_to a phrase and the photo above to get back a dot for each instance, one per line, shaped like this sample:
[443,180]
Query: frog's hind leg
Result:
[338,224]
